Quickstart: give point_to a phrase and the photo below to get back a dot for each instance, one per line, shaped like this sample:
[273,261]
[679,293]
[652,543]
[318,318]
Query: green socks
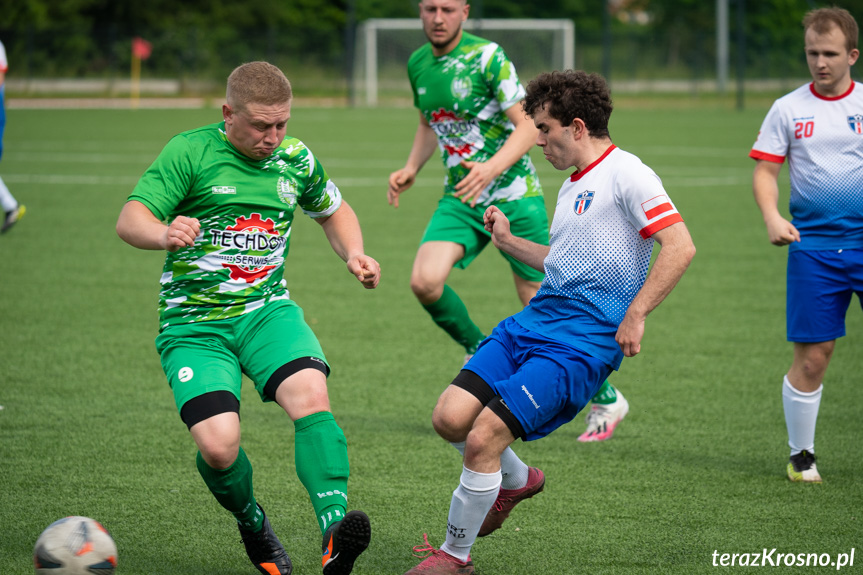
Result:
[321,456]
[450,313]
[606,394]
[232,488]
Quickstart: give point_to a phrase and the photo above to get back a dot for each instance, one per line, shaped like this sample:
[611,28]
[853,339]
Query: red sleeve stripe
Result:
[651,229]
[756,155]
[660,209]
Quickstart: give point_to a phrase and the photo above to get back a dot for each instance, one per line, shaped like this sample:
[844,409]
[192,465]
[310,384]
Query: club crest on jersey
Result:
[287,190]
[583,201]
[855,122]
[461,87]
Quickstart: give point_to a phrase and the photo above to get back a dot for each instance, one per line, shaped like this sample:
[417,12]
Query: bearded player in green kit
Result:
[469,98]
[229,192]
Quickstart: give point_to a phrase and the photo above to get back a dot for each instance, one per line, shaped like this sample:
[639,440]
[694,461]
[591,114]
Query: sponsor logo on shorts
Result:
[185,374]
[530,396]
[224,190]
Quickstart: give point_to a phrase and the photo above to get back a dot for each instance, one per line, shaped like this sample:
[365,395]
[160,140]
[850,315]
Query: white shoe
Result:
[603,419]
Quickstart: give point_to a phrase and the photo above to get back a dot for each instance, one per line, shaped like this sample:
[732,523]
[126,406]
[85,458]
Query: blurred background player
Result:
[819,128]
[230,191]
[469,100]
[12,210]
[540,367]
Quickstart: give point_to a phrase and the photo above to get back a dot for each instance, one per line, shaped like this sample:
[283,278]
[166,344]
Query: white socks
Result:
[471,502]
[7,202]
[801,411]
[514,471]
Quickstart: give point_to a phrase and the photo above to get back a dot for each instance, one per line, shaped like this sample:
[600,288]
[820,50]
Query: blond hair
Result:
[257,83]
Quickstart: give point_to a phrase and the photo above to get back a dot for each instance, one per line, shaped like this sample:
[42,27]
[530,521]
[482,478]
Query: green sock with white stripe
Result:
[606,394]
[232,488]
[321,457]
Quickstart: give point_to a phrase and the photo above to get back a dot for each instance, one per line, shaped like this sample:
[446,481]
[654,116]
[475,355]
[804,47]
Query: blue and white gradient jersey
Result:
[600,251]
[823,141]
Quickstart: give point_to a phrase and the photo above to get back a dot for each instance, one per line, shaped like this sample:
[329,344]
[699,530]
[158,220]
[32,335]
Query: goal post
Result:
[383,46]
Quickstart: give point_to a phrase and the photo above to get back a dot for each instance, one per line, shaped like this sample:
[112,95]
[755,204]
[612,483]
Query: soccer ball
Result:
[75,546]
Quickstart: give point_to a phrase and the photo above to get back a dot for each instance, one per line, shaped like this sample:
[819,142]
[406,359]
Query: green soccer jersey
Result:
[245,208]
[464,96]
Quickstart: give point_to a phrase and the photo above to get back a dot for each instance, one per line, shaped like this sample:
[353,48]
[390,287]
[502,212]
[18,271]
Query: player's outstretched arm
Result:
[765,187]
[675,254]
[425,143]
[525,251]
[482,174]
[139,227]
[345,236]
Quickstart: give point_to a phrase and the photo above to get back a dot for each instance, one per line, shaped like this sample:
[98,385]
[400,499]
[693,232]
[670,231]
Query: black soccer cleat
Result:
[11,218]
[343,543]
[265,550]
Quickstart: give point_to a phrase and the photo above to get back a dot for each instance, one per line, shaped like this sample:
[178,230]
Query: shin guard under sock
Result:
[232,488]
[321,455]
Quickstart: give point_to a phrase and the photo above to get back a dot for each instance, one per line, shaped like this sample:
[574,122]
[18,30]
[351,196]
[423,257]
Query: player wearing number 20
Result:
[819,128]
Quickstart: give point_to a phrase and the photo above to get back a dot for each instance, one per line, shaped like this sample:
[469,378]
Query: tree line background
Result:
[199,41]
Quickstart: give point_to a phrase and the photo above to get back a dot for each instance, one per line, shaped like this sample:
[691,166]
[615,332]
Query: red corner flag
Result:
[141,48]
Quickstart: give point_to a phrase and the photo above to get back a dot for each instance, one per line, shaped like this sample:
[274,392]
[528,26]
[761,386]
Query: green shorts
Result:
[456,222]
[208,356]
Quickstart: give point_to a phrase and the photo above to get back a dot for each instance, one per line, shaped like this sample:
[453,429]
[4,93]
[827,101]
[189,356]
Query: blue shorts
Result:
[820,284]
[544,382]
[2,116]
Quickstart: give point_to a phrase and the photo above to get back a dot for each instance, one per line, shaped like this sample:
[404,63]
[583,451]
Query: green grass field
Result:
[89,426]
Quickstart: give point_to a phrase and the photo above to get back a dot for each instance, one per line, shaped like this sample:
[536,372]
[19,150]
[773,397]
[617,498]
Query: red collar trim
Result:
[831,98]
[578,175]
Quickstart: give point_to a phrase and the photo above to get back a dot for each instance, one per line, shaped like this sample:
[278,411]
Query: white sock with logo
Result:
[801,412]
[471,502]
[513,470]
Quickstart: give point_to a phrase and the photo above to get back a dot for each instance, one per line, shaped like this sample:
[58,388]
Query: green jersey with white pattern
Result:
[464,96]
[245,208]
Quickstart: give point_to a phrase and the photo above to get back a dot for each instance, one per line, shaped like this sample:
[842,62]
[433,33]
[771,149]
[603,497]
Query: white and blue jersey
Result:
[600,253]
[4,65]
[822,138]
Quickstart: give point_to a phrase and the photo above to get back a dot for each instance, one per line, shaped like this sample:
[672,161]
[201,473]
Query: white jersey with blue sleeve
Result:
[600,248]
[823,141]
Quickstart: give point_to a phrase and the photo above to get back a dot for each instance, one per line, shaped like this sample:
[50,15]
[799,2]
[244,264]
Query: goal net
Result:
[383,46]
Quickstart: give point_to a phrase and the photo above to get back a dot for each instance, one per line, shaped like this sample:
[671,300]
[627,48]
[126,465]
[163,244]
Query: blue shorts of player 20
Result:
[820,285]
